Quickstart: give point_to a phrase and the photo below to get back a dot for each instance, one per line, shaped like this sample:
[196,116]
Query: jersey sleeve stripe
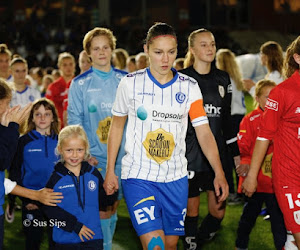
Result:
[262,139]
[199,121]
[117,113]
[231,140]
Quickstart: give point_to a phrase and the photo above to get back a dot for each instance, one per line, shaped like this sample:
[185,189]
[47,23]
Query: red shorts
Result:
[289,202]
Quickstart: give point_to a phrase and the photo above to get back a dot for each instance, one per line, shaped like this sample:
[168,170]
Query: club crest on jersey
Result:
[92,185]
[221,91]
[271,104]
[31,98]
[180,97]
[142,113]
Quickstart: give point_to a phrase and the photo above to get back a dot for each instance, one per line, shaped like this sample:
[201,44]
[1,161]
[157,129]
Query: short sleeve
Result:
[273,111]
[120,107]
[197,113]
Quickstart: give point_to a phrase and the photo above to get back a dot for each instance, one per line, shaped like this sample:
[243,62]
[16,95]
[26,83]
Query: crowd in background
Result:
[32,68]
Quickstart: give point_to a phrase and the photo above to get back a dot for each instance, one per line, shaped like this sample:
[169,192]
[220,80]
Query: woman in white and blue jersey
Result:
[91,97]
[157,102]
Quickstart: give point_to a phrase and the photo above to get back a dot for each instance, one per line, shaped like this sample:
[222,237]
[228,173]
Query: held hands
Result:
[48,197]
[86,233]
[249,186]
[111,184]
[16,114]
[242,170]
[220,183]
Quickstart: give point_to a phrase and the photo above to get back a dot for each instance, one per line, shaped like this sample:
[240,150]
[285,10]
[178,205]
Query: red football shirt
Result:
[56,93]
[247,135]
[281,122]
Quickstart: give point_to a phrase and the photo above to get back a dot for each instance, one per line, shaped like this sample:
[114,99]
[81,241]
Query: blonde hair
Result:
[274,54]
[87,40]
[4,50]
[73,131]
[121,56]
[5,90]
[189,58]
[64,55]
[289,63]
[262,84]
[225,60]
[18,59]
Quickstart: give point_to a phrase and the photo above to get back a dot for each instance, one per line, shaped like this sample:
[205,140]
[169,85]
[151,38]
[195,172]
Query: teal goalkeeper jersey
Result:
[91,97]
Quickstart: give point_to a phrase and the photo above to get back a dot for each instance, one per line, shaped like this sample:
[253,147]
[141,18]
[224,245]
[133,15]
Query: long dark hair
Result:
[49,105]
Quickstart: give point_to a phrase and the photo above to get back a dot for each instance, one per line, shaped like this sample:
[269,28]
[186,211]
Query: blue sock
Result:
[113,223]
[107,237]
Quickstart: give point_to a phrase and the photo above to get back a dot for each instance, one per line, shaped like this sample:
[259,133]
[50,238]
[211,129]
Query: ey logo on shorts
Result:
[143,215]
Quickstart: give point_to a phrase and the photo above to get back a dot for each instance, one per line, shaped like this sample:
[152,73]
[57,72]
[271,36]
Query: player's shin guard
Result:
[113,223]
[209,227]
[190,227]
[107,237]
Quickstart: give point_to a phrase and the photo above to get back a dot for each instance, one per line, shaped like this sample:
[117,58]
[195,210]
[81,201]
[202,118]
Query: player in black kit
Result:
[216,89]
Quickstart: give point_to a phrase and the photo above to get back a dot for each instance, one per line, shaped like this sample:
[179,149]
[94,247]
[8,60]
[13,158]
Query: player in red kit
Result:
[281,123]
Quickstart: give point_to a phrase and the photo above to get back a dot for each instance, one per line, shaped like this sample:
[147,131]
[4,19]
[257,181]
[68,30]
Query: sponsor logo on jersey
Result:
[166,116]
[66,186]
[180,97]
[252,118]
[146,93]
[94,90]
[92,185]
[212,110]
[159,145]
[144,214]
[35,150]
[221,91]
[119,76]
[271,104]
[297,110]
[82,81]
[106,105]
[142,113]
[103,129]
[140,72]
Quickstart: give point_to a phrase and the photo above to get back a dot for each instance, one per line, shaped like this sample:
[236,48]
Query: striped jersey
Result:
[157,124]
[24,97]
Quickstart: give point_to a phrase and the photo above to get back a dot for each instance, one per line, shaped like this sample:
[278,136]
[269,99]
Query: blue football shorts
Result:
[156,206]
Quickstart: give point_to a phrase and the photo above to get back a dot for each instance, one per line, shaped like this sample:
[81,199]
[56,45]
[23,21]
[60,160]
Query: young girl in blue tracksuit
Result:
[9,134]
[33,164]
[76,220]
